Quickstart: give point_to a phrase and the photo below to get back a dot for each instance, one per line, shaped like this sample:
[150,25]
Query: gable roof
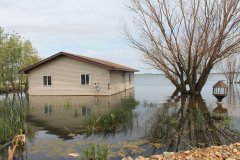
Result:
[106,64]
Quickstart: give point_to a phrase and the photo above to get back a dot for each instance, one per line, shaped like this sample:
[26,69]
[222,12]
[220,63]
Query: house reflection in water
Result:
[61,115]
[48,110]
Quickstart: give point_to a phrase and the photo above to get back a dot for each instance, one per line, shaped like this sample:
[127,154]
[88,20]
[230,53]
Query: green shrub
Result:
[129,103]
[113,121]
[96,152]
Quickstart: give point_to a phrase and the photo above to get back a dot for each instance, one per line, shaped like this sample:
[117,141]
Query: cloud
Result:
[89,27]
[65,19]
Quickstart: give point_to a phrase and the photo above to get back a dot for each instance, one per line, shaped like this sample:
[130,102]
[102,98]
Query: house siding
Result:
[65,74]
[120,81]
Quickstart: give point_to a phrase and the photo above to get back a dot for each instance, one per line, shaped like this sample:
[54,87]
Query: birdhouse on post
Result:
[220,90]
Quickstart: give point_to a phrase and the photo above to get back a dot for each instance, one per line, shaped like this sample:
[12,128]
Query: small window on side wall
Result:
[47,80]
[86,111]
[85,79]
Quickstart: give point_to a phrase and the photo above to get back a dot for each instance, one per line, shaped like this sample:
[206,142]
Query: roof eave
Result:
[29,68]
[21,72]
[125,70]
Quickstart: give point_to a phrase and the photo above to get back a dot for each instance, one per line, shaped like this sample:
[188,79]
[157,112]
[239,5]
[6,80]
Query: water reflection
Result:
[175,123]
[233,97]
[186,122]
[220,112]
[64,115]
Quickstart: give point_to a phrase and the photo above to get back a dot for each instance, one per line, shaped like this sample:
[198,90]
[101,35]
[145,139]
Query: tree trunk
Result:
[202,80]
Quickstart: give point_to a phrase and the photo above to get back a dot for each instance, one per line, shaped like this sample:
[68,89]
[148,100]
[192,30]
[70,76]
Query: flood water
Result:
[159,120]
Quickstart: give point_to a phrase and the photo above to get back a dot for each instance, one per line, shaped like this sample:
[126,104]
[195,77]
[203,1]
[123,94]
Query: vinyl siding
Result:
[120,81]
[65,74]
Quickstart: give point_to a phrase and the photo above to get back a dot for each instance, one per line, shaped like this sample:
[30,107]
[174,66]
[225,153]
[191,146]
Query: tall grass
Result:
[129,103]
[95,152]
[12,116]
[113,121]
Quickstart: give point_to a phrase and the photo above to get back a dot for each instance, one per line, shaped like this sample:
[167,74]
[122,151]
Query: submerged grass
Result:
[112,121]
[12,116]
[129,103]
[109,122]
[10,123]
[96,152]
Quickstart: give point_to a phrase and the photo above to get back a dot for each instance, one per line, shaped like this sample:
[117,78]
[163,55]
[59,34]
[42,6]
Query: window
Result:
[47,80]
[86,111]
[85,79]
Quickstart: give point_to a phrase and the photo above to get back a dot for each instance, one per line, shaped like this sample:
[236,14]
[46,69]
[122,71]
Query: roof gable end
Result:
[106,64]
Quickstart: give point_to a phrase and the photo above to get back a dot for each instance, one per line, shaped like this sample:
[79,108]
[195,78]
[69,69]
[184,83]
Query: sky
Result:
[86,27]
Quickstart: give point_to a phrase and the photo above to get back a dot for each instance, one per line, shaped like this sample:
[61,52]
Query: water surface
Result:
[161,121]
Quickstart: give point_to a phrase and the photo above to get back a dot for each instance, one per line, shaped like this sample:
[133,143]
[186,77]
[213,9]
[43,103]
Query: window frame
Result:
[86,111]
[85,79]
[47,80]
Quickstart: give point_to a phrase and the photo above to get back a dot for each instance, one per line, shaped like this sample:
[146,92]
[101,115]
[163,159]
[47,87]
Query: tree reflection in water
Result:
[185,123]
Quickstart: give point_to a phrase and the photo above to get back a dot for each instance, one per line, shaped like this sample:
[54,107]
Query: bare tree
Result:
[230,68]
[185,38]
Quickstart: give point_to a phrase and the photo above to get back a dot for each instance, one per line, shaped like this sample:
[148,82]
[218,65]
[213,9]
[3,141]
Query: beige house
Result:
[69,74]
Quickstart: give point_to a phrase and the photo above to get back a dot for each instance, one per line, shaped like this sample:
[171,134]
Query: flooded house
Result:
[70,74]
[51,112]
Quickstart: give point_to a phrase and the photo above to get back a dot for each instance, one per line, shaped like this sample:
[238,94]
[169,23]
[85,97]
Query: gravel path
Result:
[224,152]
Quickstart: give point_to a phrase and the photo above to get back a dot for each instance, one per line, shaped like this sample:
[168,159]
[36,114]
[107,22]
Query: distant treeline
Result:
[15,54]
